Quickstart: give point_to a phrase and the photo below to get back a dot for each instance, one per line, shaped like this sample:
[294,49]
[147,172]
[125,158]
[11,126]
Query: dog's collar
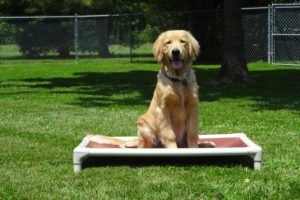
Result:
[176,80]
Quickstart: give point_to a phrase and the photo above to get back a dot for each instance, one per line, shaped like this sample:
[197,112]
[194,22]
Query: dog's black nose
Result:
[175,52]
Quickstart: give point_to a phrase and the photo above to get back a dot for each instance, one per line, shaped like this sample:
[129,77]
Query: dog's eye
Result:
[168,42]
[182,41]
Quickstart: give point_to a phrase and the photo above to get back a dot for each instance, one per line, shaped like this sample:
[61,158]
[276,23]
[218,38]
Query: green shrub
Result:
[38,38]
[7,33]
[147,35]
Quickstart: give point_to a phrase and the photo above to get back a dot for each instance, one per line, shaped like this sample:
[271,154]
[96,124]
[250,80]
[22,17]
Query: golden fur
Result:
[172,117]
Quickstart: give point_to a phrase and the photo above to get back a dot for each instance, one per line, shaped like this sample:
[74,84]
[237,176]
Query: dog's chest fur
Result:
[179,99]
[178,96]
[180,102]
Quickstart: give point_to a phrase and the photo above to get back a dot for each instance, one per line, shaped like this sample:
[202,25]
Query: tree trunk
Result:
[102,31]
[234,65]
[63,52]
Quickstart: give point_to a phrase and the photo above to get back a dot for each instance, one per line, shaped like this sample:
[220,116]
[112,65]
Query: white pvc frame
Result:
[252,150]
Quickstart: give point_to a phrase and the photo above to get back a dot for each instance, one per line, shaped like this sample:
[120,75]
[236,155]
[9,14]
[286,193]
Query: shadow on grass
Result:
[103,89]
[276,89]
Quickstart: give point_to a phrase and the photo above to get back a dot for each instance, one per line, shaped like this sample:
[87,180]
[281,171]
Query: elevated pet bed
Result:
[226,145]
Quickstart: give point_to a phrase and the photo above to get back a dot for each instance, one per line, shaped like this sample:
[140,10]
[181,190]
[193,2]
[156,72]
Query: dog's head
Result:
[176,49]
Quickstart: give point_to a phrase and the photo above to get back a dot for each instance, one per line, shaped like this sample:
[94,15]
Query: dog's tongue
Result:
[177,64]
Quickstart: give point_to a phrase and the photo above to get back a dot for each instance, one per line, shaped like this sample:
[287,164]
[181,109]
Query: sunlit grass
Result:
[48,106]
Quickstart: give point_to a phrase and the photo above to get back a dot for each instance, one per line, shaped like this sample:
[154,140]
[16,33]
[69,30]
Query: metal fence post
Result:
[76,36]
[269,34]
[130,39]
[271,29]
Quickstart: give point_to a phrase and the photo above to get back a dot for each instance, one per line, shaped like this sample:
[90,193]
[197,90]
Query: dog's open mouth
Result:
[177,64]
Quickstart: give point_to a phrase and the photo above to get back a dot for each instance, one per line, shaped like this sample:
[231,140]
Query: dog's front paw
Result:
[132,144]
[206,144]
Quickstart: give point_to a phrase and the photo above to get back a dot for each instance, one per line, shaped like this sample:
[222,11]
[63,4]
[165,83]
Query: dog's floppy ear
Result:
[158,47]
[194,47]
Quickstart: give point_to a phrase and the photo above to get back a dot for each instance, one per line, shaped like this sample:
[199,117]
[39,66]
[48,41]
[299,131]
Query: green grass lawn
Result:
[7,51]
[47,107]
[13,52]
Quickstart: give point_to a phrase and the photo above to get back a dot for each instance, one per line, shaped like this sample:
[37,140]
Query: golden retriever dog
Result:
[172,118]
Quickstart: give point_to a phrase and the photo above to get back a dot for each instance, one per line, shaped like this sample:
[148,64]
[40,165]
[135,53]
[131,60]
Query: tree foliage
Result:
[65,7]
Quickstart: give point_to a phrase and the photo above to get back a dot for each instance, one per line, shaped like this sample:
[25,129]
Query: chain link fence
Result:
[255,27]
[64,37]
[104,36]
[284,37]
[131,35]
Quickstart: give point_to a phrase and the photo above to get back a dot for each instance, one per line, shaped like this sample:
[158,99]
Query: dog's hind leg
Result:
[146,135]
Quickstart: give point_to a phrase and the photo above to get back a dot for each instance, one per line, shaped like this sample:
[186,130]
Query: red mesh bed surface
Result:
[219,142]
